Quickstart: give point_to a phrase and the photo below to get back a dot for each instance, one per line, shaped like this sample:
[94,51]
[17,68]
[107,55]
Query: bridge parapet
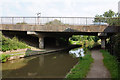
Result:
[58,20]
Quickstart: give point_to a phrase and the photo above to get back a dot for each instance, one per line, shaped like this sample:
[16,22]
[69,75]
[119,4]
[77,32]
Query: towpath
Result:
[98,70]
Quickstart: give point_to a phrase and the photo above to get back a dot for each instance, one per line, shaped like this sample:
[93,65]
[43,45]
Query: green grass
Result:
[12,44]
[4,57]
[111,63]
[81,69]
[74,42]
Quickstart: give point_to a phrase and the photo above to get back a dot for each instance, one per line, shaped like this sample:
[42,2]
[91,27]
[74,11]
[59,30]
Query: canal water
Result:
[52,65]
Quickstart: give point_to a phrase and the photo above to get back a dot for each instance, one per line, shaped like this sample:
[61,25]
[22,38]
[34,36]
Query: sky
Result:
[57,8]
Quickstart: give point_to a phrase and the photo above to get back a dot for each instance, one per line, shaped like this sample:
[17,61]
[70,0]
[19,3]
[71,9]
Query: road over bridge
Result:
[60,27]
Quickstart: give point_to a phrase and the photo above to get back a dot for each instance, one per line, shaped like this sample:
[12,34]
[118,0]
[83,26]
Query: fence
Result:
[59,20]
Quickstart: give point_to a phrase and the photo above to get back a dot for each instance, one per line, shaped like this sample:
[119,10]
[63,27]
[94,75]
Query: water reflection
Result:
[55,65]
[78,52]
[41,60]
[16,64]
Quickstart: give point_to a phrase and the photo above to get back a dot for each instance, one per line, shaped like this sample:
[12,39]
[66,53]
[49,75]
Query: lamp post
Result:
[38,15]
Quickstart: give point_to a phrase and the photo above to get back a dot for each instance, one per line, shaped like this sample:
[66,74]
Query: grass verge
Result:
[81,69]
[12,44]
[111,64]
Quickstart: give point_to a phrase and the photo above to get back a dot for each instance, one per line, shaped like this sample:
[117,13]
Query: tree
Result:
[95,38]
[22,23]
[98,18]
[109,13]
[54,22]
[109,17]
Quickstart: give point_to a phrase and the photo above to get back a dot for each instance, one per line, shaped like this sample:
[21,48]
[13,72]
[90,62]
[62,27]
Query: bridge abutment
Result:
[103,37]
[41,42]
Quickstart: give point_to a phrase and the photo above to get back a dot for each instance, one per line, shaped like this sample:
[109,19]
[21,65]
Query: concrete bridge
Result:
[60,27]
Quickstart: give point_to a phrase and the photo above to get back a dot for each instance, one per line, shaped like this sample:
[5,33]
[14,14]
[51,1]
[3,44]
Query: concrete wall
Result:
[61,28]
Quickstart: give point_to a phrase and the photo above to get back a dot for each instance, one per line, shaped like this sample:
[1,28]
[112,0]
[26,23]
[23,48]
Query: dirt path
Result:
[98,70]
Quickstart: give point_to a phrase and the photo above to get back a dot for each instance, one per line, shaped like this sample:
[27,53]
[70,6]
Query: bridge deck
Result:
[59,28]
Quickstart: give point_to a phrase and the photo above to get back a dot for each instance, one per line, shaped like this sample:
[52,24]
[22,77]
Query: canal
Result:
[52,65]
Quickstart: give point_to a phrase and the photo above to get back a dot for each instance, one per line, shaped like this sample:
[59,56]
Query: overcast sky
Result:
[81,8]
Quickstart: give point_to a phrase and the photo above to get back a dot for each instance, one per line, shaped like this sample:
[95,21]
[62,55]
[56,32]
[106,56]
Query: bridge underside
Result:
[50,38]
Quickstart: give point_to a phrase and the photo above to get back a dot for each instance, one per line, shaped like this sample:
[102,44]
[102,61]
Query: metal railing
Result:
[59,20]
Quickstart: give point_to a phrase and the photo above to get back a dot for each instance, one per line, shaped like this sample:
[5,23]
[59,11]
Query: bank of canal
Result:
[22,53]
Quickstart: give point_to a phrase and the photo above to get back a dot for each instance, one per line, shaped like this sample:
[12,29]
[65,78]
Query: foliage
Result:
[109,17]
[111,63]
[81,38]
[54,22]
[74,42]
[96,38]
[0,40]
[12,44]
[22,23]
[86,41]
[81,69]
[109,13]
[75,38]
[4,57]
[116,43]
[113,45]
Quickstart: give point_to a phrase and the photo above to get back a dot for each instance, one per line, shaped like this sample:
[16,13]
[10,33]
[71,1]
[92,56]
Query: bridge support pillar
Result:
[41,42]
[103,42]
[103,37]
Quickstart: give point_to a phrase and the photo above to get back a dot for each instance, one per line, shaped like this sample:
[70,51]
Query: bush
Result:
[12,44]
[22,23]
[4,57]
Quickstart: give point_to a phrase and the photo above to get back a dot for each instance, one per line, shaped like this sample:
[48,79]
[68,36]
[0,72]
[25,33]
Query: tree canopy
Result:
[109,17]
[54,22]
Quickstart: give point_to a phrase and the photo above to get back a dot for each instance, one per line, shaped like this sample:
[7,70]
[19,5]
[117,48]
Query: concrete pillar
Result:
[57,43]
[41,42]
[103,42]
